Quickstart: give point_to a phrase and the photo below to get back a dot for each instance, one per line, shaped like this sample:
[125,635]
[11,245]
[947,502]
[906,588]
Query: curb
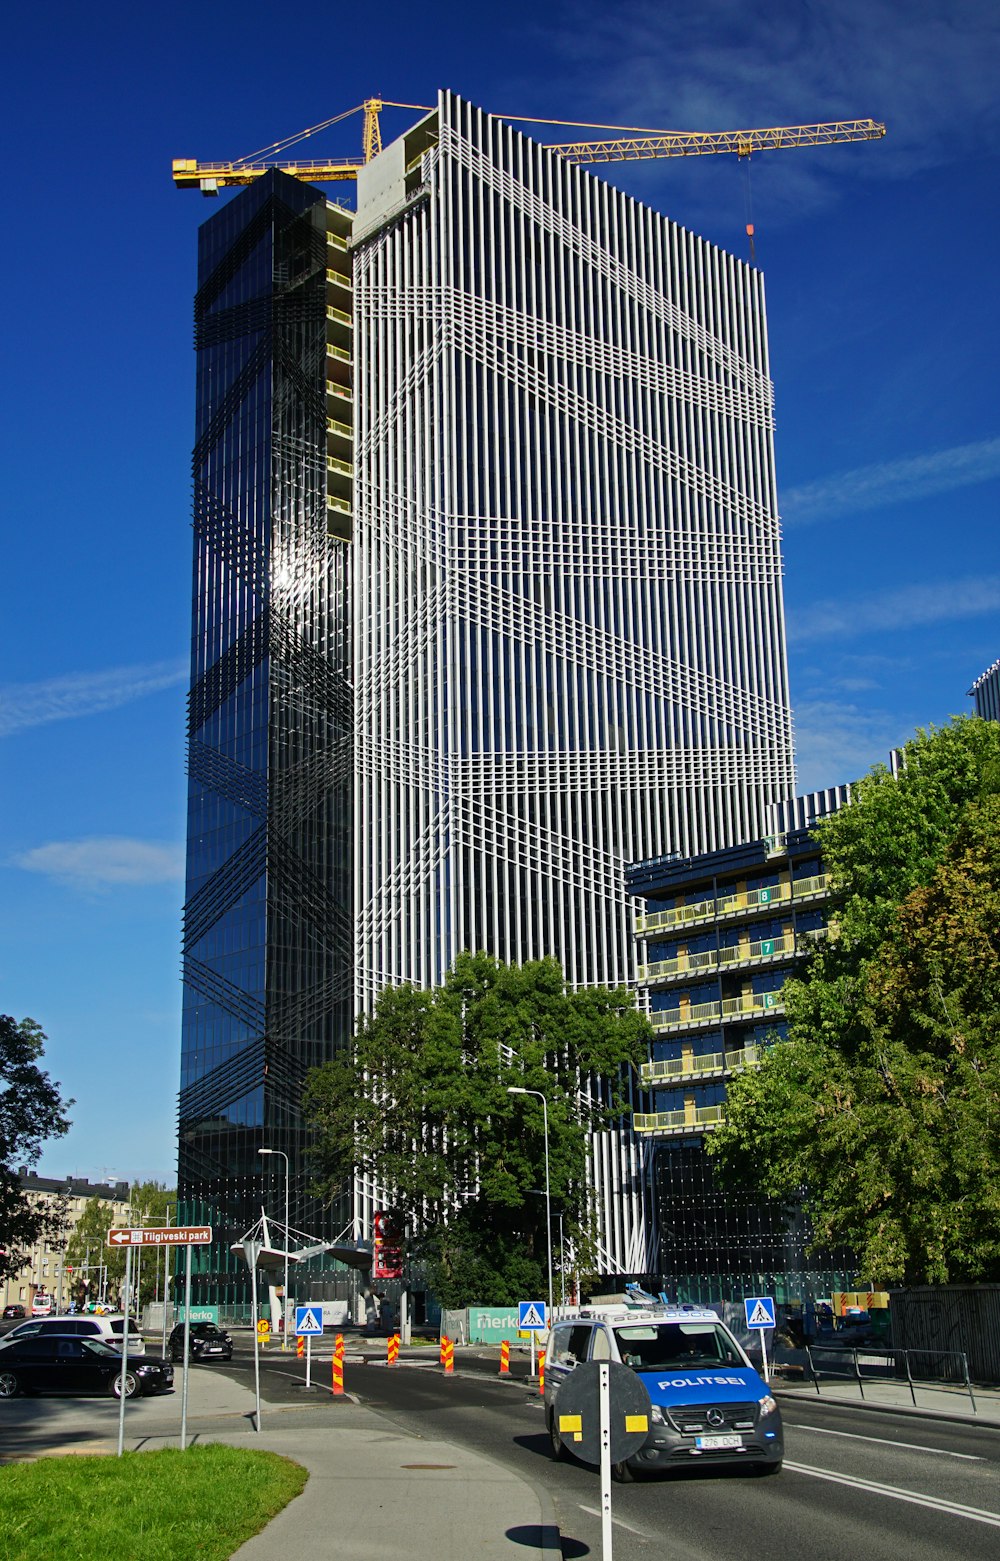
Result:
[905,1411]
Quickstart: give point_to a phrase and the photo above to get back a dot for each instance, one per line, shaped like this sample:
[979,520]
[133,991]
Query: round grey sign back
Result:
[576,1412]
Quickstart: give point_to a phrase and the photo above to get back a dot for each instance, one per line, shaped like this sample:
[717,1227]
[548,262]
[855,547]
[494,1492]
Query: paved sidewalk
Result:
[949,1403]
[373,1493]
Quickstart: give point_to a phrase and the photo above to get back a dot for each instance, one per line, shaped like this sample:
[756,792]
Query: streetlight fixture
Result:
[284,1298]
[516,1089]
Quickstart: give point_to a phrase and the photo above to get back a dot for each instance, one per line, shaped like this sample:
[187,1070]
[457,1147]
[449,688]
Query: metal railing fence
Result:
[929,1369]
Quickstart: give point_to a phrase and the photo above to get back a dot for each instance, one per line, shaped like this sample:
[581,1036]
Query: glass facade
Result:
[717,1244]
[267,917]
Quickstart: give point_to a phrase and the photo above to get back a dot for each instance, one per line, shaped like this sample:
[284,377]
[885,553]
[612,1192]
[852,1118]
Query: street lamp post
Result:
[284,1298]
[516,1089]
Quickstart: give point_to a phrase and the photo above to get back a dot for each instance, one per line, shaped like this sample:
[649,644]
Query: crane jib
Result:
[188,173]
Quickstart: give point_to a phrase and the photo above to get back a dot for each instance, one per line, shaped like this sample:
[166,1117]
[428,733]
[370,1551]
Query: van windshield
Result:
[654,1345]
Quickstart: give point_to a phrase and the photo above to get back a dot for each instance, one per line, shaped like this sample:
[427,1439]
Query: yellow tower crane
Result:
[632,144]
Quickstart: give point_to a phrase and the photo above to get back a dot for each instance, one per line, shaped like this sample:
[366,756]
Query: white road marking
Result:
[596,1513]
[885,1441]
[953,1509]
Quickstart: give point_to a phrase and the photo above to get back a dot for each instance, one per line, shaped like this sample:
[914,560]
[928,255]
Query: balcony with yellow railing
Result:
[339,316]
[696,1016]
[720,959]
[675,1070]
[342,430]
[693,1119]
[689,1016]
[753,1005]
[728,907]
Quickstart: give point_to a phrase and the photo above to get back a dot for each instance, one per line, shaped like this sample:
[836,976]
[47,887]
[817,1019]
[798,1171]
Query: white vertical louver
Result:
[569,633]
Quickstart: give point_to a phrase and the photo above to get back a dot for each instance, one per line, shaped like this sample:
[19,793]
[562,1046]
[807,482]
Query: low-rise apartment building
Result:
[44,1272]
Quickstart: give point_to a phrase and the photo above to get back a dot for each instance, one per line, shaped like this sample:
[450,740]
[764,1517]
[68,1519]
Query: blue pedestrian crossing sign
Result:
[759,1310]
[531,1316]
[308,1320]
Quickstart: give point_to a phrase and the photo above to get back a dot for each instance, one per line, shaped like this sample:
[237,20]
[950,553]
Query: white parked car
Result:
[110,1329]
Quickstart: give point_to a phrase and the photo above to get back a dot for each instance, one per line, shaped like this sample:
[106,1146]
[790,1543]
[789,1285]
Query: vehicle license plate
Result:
[718,1441]
[214,1349]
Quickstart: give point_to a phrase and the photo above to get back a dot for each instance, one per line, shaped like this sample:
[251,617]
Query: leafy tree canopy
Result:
[462,1159]
[87,1247]
[31,1112]
[884,1104]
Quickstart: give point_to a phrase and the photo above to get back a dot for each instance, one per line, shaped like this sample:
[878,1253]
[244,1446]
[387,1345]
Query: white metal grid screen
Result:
[569,633]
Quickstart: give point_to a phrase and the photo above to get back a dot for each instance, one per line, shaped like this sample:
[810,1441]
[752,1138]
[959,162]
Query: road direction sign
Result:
[161,1236]
[308,1320]
[759,1311]
[531,1316]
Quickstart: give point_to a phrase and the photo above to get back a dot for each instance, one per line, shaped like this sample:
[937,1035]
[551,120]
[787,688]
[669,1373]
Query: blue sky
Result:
[880,262]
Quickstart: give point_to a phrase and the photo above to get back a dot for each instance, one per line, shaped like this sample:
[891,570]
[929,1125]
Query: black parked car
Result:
[12,1315]
[60,1363]
[208,1342]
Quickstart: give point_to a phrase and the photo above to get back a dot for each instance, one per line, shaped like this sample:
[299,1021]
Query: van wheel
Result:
[622,1473]
[555,1440]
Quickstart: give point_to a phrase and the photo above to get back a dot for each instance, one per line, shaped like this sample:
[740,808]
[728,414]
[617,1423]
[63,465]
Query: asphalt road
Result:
[855,1482]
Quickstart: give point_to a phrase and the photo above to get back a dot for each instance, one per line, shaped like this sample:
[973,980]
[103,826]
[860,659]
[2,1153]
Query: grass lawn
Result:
[159,1506]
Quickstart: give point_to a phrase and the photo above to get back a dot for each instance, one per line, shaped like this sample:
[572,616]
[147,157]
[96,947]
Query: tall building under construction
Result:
[487,604]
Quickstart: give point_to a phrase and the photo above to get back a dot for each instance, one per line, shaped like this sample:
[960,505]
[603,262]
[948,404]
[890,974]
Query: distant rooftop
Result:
[75,1186]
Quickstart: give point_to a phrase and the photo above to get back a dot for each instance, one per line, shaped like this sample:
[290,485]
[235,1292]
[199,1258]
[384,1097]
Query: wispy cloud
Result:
[837,742]
[105,859]
[928,69]
[83,693]
[909,607]
[891,482]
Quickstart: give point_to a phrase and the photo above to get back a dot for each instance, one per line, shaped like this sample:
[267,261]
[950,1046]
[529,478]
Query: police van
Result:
[709,1405]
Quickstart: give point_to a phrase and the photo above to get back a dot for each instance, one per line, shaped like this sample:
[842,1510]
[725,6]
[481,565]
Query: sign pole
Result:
[187,1348]
[121,1380]
[605,1422]
[309,1356]
[256,1339]
[166,1268]
[763,1351]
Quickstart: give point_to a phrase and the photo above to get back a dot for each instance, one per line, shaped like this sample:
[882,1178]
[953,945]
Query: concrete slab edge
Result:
[906,1411]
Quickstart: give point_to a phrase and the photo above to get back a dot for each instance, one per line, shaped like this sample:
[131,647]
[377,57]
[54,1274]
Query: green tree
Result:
[149,1203]
[883,1107]
[31,1111]
[87,1250]
[435,1124]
